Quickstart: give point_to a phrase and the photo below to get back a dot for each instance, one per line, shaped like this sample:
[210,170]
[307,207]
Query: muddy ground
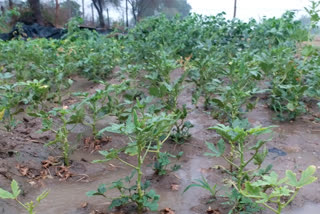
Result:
[295,145]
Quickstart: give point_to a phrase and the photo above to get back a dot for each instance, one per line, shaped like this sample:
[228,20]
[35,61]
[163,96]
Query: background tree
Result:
[144,8]
[235,9]
[35,8]
[72,6]
[57,12]
[173,7]
[100,5]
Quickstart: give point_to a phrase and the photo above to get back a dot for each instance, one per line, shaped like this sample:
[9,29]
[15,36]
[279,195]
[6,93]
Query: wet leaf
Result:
[216,152]
[306,177]
[5,194]
[15,188]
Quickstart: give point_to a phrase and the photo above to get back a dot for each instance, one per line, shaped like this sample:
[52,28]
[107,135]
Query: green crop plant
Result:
[114,99]
[34,92]
[235,89]
[168,93]
[287,82]
[237,136]
[30,206]
[180,131]
[147,133]
[58,83]
[96,107]
[128,193]
[205,68]
[313,11]
[10,99]
[270,190]
[57,121]
[162,162]
[238,139]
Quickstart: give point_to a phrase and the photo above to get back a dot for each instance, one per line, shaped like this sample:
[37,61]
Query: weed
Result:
[30,206]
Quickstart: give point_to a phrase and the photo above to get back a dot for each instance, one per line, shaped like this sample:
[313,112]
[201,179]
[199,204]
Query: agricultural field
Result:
[194,115]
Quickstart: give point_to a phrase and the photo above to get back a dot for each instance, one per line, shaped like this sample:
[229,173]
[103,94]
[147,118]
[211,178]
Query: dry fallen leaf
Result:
[167,211]
[84,204]
[211,211]
[175,187]
[23,169]
[63,172]
[95,144]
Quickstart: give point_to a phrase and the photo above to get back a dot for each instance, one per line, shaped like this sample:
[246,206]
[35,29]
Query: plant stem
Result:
[274,210]
[128,164]
[140,193]
[291,199]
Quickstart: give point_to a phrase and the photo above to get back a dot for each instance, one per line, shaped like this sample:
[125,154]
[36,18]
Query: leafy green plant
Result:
[238,137]
[10,98]
[57,121]
[269,189]
[163,160]
[30,206]
[143,130]
[180,132]
[128,194]
[313,12]
[35,92]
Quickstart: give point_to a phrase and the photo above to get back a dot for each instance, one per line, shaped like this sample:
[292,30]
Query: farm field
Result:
[193,115]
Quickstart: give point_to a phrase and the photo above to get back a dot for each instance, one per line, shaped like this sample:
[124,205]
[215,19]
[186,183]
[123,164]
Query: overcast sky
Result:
[248,8]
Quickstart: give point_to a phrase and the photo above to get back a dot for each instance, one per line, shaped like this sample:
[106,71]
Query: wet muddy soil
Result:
[295,145]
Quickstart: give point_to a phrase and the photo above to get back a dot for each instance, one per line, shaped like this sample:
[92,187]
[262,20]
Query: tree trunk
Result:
[108,18]
[57,13]
[127,18]
[98,5]
[235,9]
[83,15]
[2,10]
[101,20]
[134,14]
[10,4]
[92,13]
[69,9]
[36,11]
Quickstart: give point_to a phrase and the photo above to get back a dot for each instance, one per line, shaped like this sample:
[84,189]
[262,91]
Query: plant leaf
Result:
[216,152]
[15,188]
[5,194]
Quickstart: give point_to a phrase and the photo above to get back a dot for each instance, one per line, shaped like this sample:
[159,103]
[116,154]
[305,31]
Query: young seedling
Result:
[180,132]
[270,190]
[30,206]
[163,160]
[128,193]
[57,121]
[203,183]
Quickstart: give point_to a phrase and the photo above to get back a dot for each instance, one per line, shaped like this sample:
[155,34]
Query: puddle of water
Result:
[308,208]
